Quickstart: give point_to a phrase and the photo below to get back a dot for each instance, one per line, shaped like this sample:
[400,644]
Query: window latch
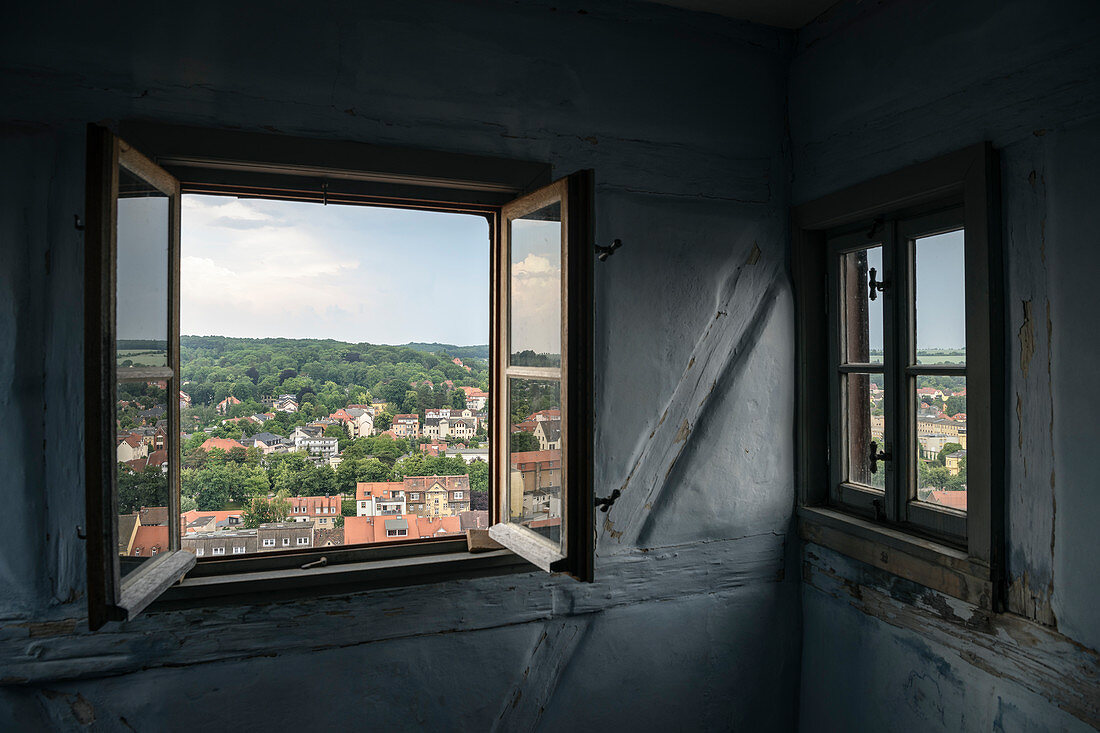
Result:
[875,286]
[605,502]
[316,564]
[878,455]
[602,253]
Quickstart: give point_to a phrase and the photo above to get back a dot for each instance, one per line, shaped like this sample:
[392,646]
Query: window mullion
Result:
[895,359]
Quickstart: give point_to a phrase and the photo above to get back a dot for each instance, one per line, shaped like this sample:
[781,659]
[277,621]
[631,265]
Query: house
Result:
[437,496]
[332,537]
[954,462]
[185,400]
[374,498]
[953,499]
[149,540]
[475,398]
[400,527]
[130,447]
[152,415]
[549,434]
[434,448]
[225,444]
[537,469]
[223,406]
[127,532]
[218,544]
[149,516]
[358,421]
[267,442]
[406,426]
[282,536]
[323,510]
[156,459]
[469,454]
[450,427]
[197,520]
[285,403]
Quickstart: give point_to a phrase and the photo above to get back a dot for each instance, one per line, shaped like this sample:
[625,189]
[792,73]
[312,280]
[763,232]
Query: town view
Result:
[290,441]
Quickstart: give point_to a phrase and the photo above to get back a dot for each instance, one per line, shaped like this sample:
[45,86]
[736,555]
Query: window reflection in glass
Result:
[535,479]
[141,469]
[142,292]
[535,288]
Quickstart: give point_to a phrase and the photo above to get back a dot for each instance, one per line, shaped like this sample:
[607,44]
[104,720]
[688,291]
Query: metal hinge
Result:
[874,287]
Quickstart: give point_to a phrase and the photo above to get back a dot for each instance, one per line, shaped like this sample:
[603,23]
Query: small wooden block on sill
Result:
[478,540]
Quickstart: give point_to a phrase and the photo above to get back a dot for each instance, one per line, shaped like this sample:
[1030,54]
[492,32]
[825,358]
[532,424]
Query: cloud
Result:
[536,305]
[256,268]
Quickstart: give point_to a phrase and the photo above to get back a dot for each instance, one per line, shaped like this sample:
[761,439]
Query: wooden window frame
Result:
[971,566]
[268,166]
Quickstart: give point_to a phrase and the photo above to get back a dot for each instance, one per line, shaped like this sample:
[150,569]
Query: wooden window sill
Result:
[345,577]
[940,567]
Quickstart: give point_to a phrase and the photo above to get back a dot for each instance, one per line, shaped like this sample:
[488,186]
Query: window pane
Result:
[535,296]
[862,316]
[535,479]
[142,306]
[141,447]
[941,306]
[865,421]
[941,440]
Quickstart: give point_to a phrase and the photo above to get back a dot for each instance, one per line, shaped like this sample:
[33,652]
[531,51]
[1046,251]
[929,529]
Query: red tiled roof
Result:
[953,499]
[528,457]
[363,530]
[379,489]
[226,444]
[131,440]
[149,537]
[474,392]
[156,458]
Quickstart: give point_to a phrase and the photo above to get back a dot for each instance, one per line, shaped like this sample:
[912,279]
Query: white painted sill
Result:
[934,565]
[340,577]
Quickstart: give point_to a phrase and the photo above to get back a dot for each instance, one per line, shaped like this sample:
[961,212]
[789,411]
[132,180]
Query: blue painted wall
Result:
[681,116]
[875,87]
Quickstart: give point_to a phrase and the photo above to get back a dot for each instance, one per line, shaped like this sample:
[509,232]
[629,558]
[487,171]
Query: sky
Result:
[940,293]
[536,286]
[258,268]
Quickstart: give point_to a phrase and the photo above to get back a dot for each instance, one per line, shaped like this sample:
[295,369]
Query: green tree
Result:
[148,487]
[479,476]
[522,441]
[347,507]
[955,405]
[261,510]
[948,449]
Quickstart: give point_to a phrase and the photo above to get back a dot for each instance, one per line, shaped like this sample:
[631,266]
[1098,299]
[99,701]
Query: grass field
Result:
[142,357]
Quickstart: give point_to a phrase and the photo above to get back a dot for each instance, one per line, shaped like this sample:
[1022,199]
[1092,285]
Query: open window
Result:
[131,378]
[542,359]
[538,250]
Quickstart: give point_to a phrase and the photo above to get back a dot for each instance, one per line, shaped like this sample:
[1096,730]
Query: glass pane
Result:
[142,306]
[535,478]
[865,422]
[941,304]
[141,446]
[941,440]
[535,297]
[862,316]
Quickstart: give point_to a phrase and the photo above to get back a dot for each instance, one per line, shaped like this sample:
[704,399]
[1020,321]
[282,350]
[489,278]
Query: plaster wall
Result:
[693,620]
[876,87]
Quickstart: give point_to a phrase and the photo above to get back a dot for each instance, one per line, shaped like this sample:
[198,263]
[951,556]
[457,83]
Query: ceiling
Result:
[781,13]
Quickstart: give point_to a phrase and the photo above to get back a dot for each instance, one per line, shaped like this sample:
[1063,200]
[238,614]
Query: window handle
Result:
[875,286]
[878,455]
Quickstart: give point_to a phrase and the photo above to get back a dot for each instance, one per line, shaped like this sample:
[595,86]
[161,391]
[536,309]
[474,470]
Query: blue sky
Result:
[940,293]
[256,268]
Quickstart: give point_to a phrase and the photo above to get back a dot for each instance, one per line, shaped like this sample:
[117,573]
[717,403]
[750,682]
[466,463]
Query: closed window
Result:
[217,551]
[269,542]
